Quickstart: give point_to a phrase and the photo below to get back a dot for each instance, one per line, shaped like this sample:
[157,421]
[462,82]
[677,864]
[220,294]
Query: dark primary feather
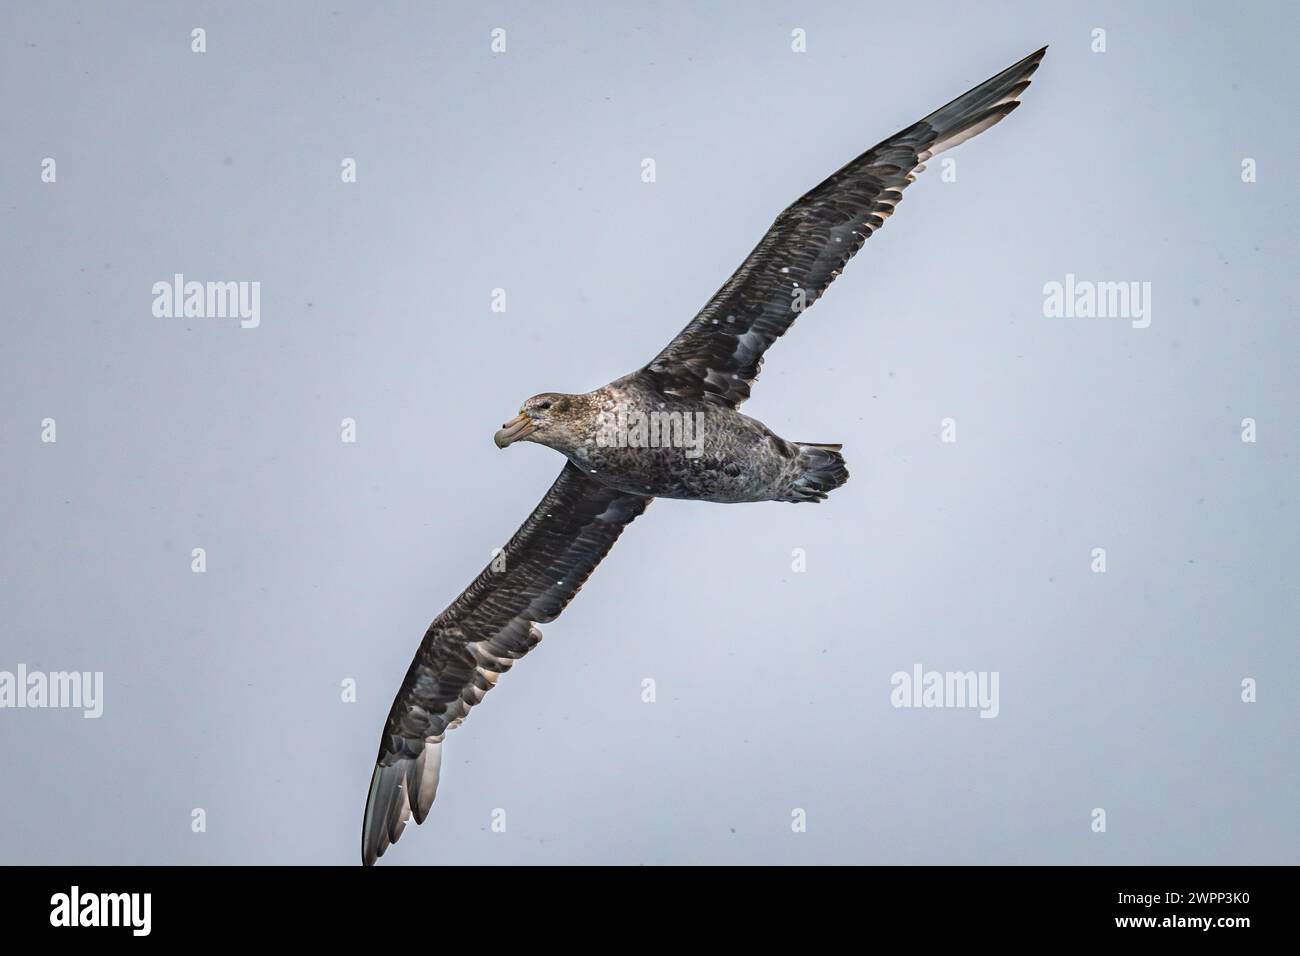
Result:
[480,635]
[718,355]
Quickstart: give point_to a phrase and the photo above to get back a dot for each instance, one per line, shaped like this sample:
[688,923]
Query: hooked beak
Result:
[518,427]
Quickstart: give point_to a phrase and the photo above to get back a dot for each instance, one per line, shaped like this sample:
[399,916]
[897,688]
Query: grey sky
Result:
[326,560]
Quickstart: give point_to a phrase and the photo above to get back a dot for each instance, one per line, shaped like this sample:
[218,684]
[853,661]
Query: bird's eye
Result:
[543,406]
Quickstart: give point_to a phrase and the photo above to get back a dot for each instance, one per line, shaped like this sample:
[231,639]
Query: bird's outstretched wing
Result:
[481,634]
[717,357]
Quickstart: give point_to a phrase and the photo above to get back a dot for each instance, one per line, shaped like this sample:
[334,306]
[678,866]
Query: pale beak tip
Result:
[514,430]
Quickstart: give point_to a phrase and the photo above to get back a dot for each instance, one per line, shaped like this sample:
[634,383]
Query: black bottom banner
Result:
[308,904]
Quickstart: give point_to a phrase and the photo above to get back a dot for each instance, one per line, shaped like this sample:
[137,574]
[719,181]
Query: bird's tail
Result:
[823,472]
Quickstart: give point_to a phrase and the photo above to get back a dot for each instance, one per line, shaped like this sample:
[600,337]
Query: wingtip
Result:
[385,814]
[401,788]
[1029,65]
[1033,59]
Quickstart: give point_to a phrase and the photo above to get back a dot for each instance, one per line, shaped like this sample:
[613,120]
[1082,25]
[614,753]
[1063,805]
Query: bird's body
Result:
[672,429]
[630,436]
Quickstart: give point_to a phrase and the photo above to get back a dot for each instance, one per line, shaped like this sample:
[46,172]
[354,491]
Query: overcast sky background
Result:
[522,171]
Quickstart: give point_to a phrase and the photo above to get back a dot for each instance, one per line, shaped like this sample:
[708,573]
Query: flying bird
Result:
[669,430]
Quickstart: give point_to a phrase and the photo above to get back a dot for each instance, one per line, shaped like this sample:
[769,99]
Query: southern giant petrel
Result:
[668,430]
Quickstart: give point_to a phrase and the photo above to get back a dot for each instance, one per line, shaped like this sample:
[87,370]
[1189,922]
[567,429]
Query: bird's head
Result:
[550,418]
